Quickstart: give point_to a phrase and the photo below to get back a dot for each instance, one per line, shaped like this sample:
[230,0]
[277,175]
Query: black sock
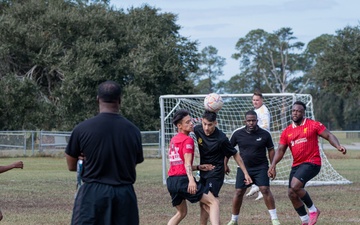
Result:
[307,200]
[301,211]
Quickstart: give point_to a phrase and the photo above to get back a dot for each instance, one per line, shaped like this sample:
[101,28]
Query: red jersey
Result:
[179,145]
[303,141]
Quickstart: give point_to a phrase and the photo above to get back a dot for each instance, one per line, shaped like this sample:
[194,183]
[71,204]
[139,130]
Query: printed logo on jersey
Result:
[174,156]
[305,130]
[298,141]
[189,146]
[200,141]
[258,139]
[289,135]
[292,143]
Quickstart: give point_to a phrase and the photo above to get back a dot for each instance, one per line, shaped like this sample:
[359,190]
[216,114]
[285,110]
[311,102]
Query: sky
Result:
[222,23]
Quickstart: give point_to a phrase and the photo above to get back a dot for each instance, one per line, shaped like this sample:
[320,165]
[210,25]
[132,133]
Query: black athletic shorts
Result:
[304,172]
[212,184]
[177,187]
[258,175]
[104,204]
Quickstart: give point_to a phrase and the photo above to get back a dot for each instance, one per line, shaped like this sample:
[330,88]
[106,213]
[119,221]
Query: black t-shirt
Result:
[213,149]
[112,147]
[252,146]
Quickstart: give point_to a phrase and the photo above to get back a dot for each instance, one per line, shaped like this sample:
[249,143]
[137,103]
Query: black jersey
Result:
[112,147]
[213,149]
[252,146]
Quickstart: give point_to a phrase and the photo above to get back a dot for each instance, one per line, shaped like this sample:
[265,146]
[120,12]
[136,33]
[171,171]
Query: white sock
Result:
[312,208]
[234,217]
[273,214]
[305,219]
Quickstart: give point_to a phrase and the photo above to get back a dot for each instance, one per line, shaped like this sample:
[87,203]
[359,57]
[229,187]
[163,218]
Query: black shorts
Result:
[258,175]
[212,184]
[304,172]
[177,187]
[105,204]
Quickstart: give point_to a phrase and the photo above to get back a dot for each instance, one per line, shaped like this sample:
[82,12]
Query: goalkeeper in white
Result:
[263,116]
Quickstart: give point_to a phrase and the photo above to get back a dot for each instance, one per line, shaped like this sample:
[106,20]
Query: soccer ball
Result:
[213,102]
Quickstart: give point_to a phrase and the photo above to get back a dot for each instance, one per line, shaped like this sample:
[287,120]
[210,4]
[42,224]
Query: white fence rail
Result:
[18,143]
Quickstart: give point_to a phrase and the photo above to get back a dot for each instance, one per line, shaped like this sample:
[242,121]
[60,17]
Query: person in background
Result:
[214,149]
[263,115]
[253,143]
[301,136]
[181,183]
[3,169]
[111,148]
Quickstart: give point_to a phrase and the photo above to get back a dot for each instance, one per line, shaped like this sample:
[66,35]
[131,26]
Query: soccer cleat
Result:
[260,196]
[254,189]
[313,216]
[233,222]
[275,222]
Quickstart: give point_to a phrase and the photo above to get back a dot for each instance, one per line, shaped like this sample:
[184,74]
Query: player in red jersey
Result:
[181,183]
[301,136]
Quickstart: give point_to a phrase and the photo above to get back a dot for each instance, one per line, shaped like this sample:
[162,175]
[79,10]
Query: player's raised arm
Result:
[18,164]
[332,139]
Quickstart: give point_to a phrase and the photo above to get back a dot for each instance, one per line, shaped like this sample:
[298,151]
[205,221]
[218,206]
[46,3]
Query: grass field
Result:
[43,193]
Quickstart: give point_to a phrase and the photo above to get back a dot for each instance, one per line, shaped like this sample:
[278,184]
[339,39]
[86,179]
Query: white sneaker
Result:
[254,189]
[260,196]
[232,222]
[275,222]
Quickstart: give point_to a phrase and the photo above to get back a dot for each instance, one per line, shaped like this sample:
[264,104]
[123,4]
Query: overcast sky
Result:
[222,23]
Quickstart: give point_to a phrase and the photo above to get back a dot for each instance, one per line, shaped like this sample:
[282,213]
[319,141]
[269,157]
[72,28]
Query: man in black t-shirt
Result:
[110,146]
[214,147]
[253,143]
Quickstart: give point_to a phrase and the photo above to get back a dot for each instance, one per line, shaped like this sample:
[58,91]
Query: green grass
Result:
[43,193]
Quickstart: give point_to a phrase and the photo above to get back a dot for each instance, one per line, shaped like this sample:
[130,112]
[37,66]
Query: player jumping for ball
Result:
[181,183]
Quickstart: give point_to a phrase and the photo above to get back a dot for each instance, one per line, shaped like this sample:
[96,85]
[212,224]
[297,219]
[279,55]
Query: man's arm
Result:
[226,166]
[241,164]
[202,167]
[189,172]
[331,138]
[271,153]
[279,154]
[18,164]
[71,162]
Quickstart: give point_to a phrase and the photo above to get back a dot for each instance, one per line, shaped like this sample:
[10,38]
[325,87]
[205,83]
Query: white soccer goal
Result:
[231,117]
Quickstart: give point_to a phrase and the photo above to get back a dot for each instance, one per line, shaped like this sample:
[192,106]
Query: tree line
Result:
[53,55]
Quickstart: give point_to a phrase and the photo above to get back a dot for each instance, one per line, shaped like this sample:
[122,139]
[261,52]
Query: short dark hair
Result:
[300,103]
[258,93]
[250,112]
[109,91]
[179,115]
[210,116]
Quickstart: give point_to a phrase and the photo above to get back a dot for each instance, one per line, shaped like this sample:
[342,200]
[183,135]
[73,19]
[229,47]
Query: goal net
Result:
[231,117]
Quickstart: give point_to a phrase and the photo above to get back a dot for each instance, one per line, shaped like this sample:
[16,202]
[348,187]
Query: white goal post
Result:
[231,117]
